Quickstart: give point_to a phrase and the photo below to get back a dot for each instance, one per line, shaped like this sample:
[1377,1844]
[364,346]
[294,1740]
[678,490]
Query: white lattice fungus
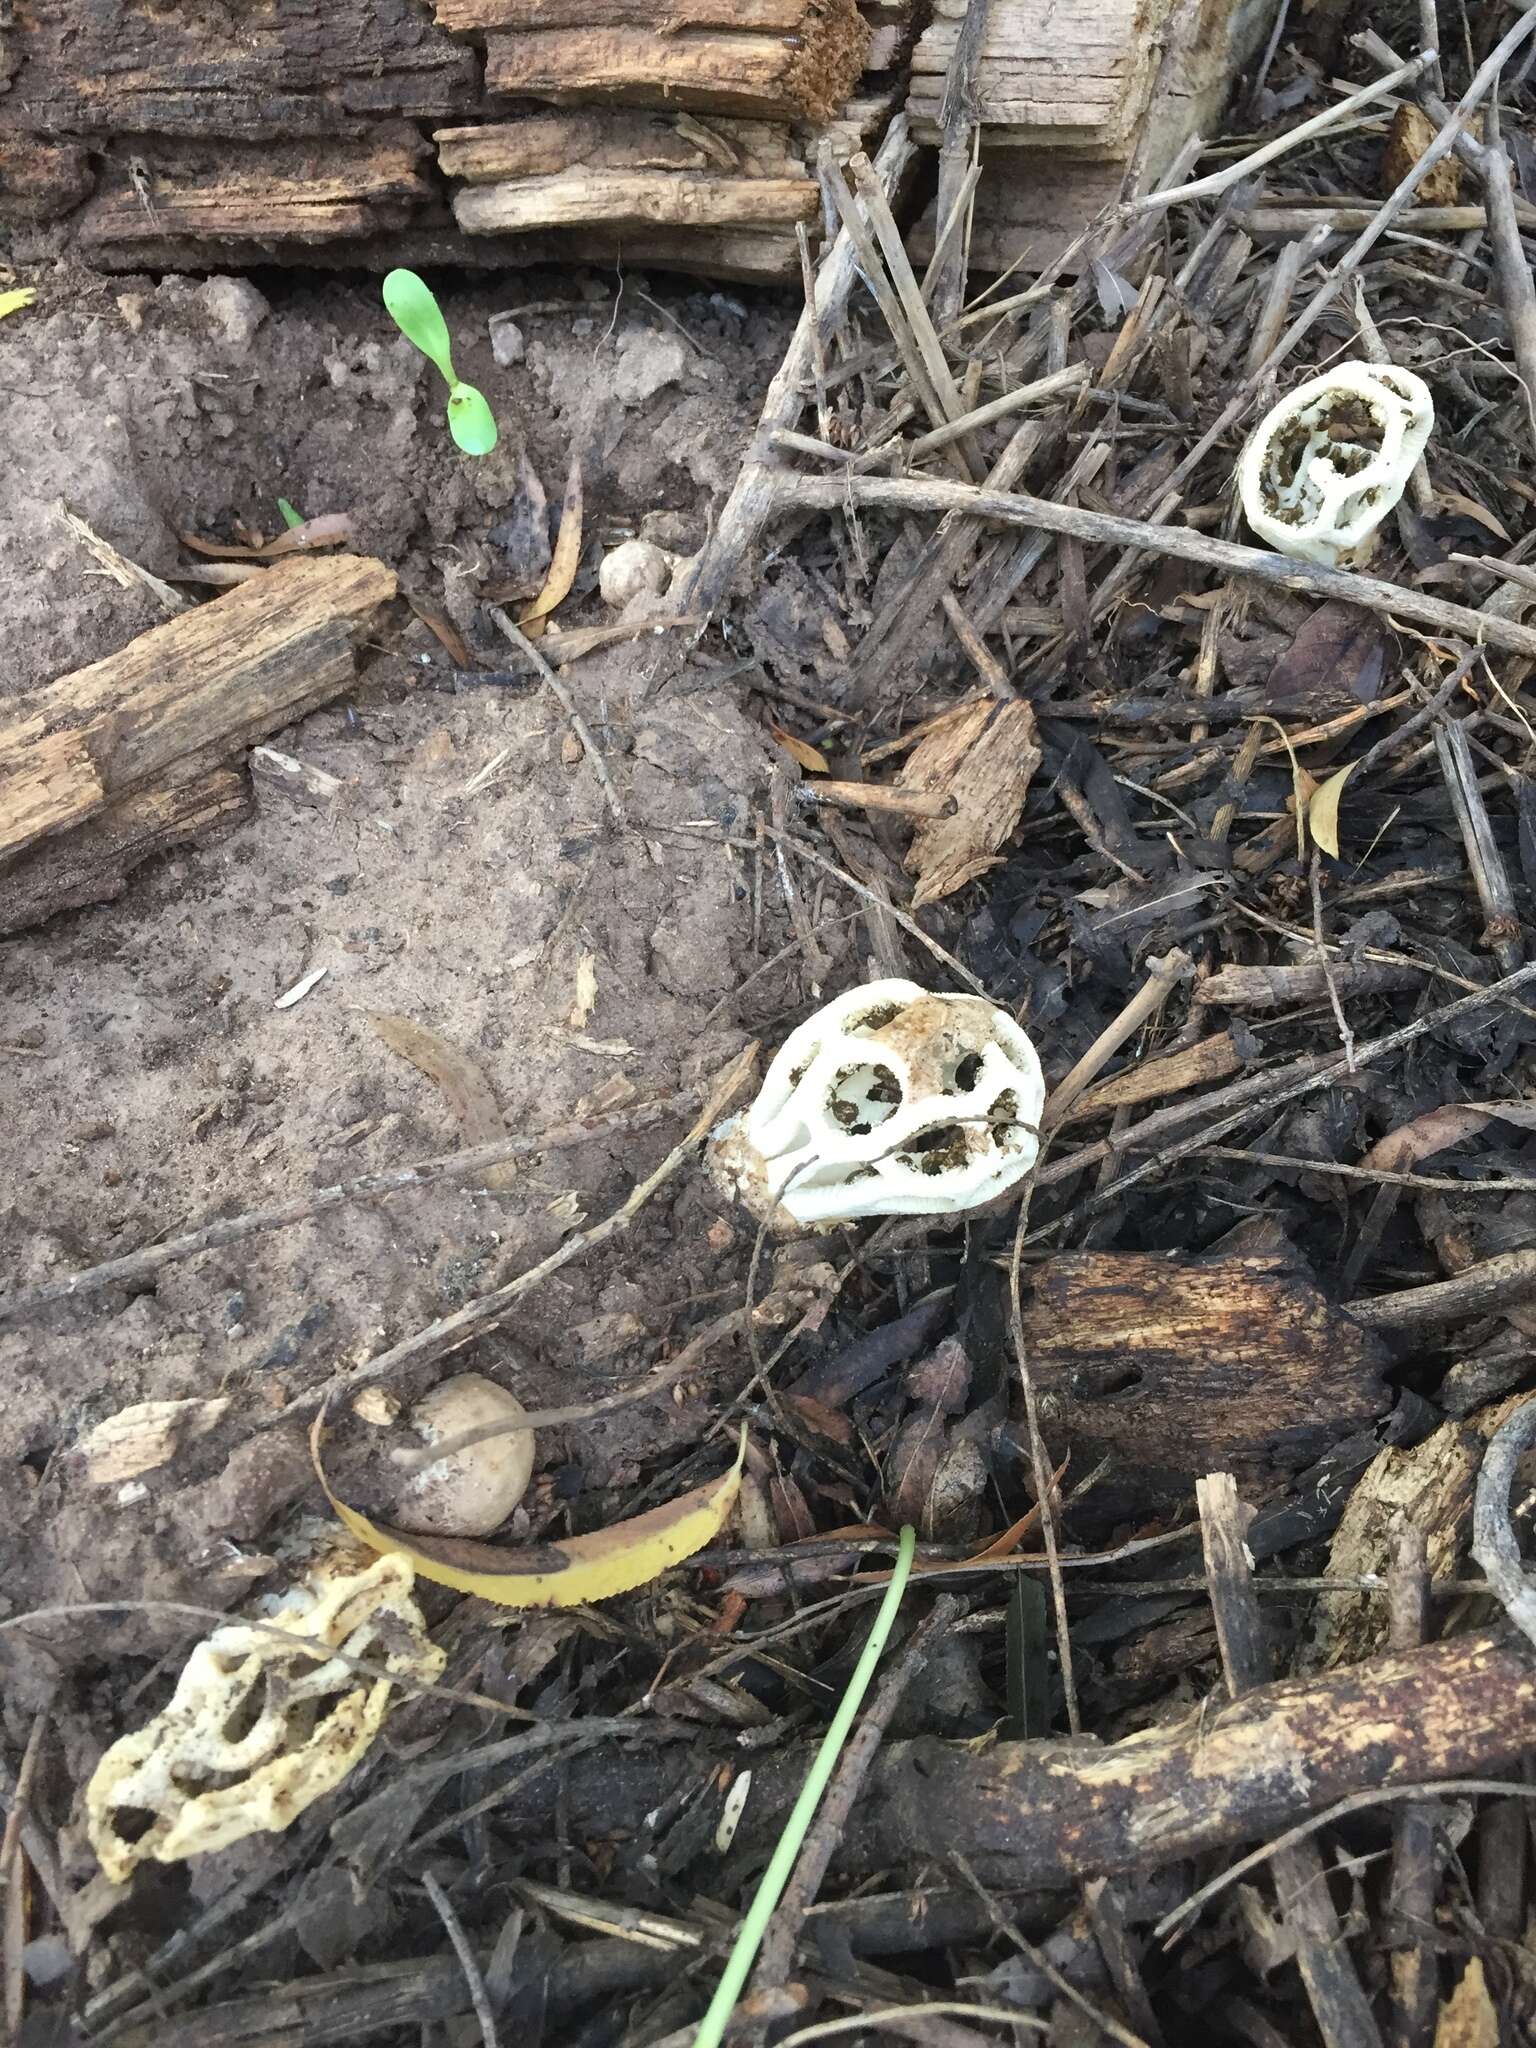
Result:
[891,1101]
[257,1729]
[1329,462]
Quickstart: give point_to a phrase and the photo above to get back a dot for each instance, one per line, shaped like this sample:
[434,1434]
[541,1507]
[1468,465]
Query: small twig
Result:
[562,695]
[1008,1928]
[1346,1036]
[468,1961]
[1489,874]
[1493,1537]
[1225,557]
[452,1332]
[777,1954]
[1162,974]
[445,1167]
[1499,1282]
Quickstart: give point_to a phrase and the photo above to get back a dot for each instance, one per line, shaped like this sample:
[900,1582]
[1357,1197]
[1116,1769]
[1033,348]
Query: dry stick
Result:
[1496,1283]
[957,119]
[1228,558]
[1070,379]
[1258,1096]
[667,1374]
[777,1955]
[1339,2005]
[452,1332]
[1493,1539]
[446,1167]
[751,499]
[908,924]
[1162,973]
[1489,874]
[1411,1894]
[1482,84]
[1319,124]
[468,1962]
[567,703]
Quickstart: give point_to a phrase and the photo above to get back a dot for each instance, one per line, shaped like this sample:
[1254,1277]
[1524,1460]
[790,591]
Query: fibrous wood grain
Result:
[185,695]
[655,198]
[808,72]
[1182,1365]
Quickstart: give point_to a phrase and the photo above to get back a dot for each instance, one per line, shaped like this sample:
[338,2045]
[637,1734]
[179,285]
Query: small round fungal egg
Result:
[474,1491]
[635,568]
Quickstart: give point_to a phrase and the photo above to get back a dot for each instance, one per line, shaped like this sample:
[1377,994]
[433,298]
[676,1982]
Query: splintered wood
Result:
[981,758]
[122,759]
[688,141]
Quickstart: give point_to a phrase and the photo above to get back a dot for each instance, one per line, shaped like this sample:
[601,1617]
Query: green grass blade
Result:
[409,303]
[771,1888]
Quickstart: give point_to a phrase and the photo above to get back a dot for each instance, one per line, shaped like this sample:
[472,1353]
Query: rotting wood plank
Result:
[810,73]
[203,685]
[655,198]
[296,67]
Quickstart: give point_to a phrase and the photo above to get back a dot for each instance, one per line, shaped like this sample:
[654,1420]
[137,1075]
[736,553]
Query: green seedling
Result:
[410,304]
[291,519]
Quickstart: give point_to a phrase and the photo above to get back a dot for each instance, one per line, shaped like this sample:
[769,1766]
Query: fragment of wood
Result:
[40,179]
[1428,1488]
[550,140]
[1339,2005]
[1043,1814]
[1176,1366]
[655,198]
[91,864]
[1281,219]
[1073,93]
[300,780]
[1490,876]
[1211,1059]
[186,694]
[1272,988]
[295,67]
[808,72]
[982,759]
[1496,1283]
[243,193]
[959,112]
[661,17]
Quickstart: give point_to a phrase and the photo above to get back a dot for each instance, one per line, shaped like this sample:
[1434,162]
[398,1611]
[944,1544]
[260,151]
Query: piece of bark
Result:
[1271,988]
[295,67]
[1045,1814]
[184,695]
[652,198]
[808,73]
[661,17]
[92,863]
[550,140]
[982,759]
[1211,1059]
[41,180]
[241,192]
[1178,1366]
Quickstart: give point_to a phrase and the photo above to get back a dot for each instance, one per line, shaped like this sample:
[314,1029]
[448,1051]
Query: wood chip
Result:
[983,757]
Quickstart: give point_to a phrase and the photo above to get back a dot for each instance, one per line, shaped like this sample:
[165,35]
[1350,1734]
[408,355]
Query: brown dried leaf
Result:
[811,759]
[1323,809]
[1468,2018]
[565,560]
[467,1092]
[914,1464]
[1339,656]
[943,1379]
[982,756]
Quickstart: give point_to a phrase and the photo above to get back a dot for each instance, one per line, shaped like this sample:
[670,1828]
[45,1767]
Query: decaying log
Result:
[289,68]
[805,66]
[182,698]
[1176,1366]
[1047,1814]
[1067,94]
[92,863]
[41,180]
[245,193]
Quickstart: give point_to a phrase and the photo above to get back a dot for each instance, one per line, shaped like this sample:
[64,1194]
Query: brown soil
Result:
[149,1081]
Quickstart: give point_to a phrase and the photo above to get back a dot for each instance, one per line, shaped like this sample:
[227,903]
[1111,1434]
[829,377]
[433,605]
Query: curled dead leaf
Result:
[565,560]
[1323,809]
[568,1574]
[457,1078]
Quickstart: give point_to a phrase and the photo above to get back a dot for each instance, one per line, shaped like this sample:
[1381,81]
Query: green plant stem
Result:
[771,1886]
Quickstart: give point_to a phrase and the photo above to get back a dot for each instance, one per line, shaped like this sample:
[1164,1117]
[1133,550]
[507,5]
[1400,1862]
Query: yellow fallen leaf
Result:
[565,560]
[565,1574]
[1323,809]
[811,759]
[13,302]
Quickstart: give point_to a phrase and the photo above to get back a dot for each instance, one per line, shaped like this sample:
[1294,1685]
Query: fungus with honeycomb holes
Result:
[890,1101]
[1327,464]
[259,1727]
